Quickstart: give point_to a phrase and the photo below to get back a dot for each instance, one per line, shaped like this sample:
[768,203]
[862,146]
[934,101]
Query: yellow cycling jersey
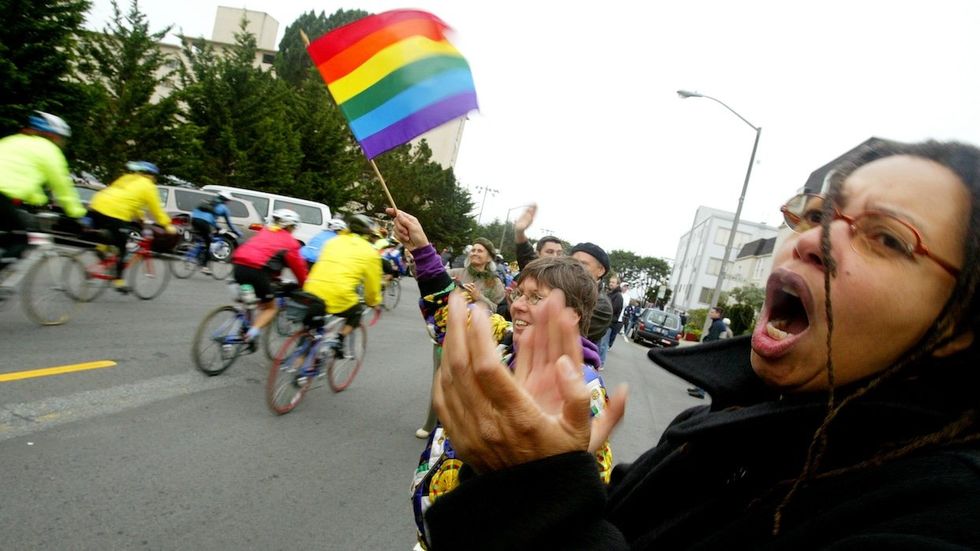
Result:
[127,198]
[345,262]
[27,163]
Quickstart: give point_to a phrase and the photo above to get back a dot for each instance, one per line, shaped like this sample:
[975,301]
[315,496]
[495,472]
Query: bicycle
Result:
[391,293]
[190,254]
[44,298]
[309,355]
[147,276]
[220,338]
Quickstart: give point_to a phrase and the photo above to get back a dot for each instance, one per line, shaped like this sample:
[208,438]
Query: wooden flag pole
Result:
[384,186]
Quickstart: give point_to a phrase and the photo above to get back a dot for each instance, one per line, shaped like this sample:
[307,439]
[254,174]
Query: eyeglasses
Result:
[873,233]
[516,293]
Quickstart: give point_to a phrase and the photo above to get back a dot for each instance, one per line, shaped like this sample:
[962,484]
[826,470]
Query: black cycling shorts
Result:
[352,315]
[259,279]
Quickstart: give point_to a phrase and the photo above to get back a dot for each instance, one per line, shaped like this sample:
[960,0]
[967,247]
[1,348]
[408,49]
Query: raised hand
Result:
[408,230]
[525,220]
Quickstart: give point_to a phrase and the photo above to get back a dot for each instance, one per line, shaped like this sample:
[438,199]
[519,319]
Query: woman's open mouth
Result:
[785,315]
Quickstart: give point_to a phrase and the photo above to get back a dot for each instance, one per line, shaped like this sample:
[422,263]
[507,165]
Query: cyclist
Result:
[311,251]
[28,161]
[346,262]
[204,222]
[264,256]
[117,207]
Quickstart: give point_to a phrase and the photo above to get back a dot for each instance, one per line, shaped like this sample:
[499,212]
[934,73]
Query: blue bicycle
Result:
[220,338]
[310,354]
[219,256]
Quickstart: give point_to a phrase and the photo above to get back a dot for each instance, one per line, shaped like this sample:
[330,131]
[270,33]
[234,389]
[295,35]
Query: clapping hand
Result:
[498,419]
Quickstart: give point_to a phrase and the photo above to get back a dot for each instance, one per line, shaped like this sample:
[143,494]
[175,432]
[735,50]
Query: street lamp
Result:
[485,190]
[503,234]
[684,94]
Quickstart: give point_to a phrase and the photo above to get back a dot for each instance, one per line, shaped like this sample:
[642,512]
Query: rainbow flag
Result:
[395,76]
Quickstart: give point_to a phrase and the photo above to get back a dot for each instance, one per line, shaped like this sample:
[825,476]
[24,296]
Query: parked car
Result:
[86,185]
[313,216]
[179,202]
[657,327]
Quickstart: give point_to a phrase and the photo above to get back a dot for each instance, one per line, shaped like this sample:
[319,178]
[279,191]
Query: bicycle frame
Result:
[105,266]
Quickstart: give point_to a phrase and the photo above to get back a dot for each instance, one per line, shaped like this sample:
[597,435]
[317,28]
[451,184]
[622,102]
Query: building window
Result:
[268,59]
[714,266]
[706,293]
[721,238]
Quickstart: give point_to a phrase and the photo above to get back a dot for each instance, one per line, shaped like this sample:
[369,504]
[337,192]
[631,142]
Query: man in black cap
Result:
[596,262]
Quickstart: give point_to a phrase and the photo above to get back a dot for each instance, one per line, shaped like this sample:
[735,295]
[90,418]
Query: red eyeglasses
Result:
[873,233]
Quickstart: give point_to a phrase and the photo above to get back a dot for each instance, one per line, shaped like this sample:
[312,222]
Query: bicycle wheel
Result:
[277,332]
[218,340]
[220,268]
[341,372]
[44,297]
[392,294]
[148,276]
[287,384]
[187,265]
[80,282]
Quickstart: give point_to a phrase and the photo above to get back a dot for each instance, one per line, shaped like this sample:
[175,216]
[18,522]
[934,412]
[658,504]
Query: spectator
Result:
[596,262]
[871,443]
[717,326]
[617,300]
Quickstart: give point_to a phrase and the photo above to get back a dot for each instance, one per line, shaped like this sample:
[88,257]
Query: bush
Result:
[742,316]
[696,317]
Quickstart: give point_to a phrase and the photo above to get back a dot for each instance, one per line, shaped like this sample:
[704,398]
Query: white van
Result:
[313,216]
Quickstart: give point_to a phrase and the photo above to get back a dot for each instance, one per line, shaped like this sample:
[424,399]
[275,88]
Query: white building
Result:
[752,264]
[700,252]
[227,22]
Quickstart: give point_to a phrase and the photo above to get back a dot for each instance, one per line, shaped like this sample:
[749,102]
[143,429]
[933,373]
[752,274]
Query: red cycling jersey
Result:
[269,249]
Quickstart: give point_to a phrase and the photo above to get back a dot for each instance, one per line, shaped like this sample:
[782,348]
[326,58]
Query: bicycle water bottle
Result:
[247,294]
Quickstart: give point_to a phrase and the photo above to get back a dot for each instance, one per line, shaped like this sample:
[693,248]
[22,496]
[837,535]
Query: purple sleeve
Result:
[427,263]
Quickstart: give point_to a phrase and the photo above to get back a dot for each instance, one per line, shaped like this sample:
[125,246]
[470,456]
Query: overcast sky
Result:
[578,109]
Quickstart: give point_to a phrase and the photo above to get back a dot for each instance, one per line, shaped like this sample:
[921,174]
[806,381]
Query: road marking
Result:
[57,370]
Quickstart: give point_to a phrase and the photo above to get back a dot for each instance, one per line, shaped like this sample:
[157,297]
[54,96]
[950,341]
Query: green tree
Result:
[38,41]
[331,161]
[424,189]
[742,317]
[241,115]
[292,62]
[493,231]
[639,271]
[749,295]
[122,68]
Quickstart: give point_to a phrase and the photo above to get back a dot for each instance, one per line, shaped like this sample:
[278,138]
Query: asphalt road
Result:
[151,454]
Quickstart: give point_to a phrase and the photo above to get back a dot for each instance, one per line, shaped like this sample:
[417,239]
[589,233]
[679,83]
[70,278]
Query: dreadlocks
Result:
[961,312]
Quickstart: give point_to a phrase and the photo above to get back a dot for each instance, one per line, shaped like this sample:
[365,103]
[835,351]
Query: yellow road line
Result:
[57,370]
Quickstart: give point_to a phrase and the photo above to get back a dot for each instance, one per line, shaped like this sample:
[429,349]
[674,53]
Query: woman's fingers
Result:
[576,414]
[522,364]
[612,414]
[552,317]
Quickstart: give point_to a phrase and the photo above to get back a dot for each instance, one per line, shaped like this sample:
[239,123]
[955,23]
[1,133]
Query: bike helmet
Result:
[46,122]
[336,224]
[285,218]
[224,196]
[145,167]
[362,225]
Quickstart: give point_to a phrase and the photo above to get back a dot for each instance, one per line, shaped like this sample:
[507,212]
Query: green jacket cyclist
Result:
[29,161]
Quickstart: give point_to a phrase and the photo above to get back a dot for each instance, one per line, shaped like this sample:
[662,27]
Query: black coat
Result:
[720,471]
